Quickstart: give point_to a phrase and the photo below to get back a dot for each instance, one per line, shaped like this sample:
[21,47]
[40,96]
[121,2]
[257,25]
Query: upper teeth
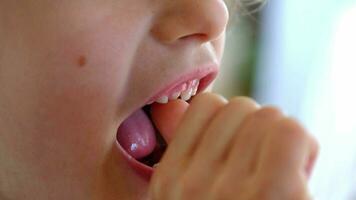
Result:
[186,94]
[190,90]
[163,99]
[174,96]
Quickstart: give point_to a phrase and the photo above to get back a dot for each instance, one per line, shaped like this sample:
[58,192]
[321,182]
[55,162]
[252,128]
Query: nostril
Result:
[199,36]
[197,20]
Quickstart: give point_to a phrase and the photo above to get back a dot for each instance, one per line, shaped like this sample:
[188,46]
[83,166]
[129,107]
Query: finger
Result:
[172,165]
[215,143]
[286,150]
[198,116]
[243,156]
[166,117]
[203,169]
[314,152]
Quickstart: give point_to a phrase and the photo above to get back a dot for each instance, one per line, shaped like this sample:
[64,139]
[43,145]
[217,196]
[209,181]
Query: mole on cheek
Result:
[82,61]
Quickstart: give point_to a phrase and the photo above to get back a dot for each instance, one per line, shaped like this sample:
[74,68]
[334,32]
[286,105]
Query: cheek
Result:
[92,65]
[88,74]
[65,95]
[219,45]
[76,92]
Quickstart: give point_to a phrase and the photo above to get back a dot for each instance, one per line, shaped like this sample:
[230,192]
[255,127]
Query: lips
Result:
[138,139]
[205,75]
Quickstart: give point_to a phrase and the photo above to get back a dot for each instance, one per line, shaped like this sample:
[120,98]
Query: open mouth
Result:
[155,156]
[138,137]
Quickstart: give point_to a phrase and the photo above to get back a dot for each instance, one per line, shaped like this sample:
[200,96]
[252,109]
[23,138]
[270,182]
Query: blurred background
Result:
[300,55]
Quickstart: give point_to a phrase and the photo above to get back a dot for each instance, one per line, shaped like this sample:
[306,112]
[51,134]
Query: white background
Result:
[307,66]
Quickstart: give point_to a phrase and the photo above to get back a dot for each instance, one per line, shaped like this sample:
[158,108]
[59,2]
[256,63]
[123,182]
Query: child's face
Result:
[71,71]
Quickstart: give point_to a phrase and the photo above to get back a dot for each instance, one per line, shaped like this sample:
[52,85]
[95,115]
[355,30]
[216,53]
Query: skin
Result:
[72,71]
[234,149]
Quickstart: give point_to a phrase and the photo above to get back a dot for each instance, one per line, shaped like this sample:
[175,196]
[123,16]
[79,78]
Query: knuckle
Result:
[265,116]
[268,112]
[291,128]
[241,104]
[315,145]
[208,97]
[242,101]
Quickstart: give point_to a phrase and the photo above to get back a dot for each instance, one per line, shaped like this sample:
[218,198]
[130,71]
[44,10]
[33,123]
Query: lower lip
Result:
[141,169]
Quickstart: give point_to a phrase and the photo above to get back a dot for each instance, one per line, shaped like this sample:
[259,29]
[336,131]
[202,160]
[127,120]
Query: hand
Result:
[235,149]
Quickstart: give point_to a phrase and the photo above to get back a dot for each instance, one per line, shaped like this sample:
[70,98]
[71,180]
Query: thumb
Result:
[166,117]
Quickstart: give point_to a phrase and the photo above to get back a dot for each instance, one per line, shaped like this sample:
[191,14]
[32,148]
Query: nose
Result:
[203,20]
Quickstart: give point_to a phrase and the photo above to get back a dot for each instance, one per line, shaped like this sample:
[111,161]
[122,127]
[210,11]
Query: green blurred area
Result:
[238,68]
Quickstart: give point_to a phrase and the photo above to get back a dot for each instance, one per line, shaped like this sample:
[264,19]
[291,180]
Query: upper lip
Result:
[204,73]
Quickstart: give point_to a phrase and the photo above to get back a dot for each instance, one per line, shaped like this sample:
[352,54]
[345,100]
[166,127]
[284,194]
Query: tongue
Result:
[137,135]
[167,117]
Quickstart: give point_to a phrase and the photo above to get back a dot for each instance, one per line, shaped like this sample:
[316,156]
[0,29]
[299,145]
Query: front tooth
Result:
[150,102]
[195,87]
[162,100]
[175,96]
[186,94]
[195,90]
[195,82]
